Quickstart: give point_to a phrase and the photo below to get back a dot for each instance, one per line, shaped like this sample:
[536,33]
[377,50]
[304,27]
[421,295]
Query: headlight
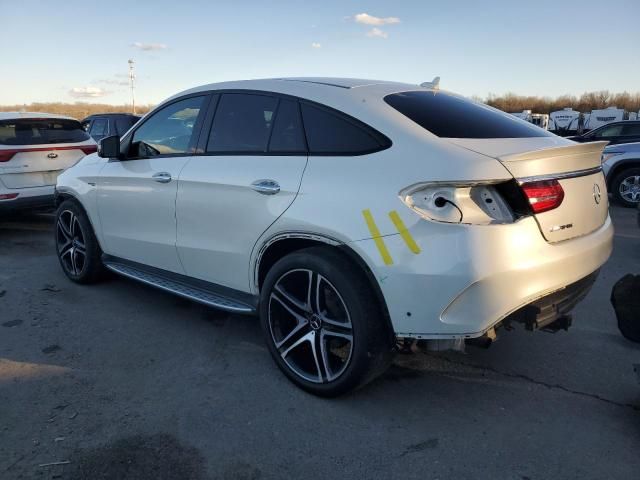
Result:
[478,204]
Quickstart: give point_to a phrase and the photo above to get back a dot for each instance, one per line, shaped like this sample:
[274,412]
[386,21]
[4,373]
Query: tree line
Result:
[509,102]
[77,110]
[586,102]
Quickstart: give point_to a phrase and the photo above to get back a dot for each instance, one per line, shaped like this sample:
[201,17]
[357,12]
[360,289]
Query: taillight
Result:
[474,203]
[8,196]
[89,149]
[6,155]
[543,195]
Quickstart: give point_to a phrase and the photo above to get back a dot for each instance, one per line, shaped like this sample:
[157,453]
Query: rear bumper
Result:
[544,313]
[28,199]
[466,278]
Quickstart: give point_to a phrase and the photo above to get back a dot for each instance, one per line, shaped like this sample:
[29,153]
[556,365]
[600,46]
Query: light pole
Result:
[132,78]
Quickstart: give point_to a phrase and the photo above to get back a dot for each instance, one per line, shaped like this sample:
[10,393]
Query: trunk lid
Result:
[577,167]
[39,166]
[36,147]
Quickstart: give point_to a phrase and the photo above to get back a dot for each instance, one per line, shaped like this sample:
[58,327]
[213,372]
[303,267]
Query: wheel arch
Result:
[281,245]
[61,196]
[619,167]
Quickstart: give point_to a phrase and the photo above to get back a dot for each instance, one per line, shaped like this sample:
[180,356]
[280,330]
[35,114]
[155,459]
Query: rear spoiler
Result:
[570,158]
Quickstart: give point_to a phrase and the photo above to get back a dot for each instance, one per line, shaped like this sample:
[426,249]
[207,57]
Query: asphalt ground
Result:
[119,380]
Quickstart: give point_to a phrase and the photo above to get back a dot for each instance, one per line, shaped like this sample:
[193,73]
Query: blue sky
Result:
[71,50]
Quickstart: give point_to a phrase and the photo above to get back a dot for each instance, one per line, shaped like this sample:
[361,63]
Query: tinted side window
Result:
[99,127]
[611,131]
[124,124]
[288,134]
[169,131]
[450,116]
[631,130]
[242,123]
[330,133]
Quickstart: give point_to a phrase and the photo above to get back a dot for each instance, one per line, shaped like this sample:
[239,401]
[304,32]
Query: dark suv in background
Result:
[103,125]
[627,131]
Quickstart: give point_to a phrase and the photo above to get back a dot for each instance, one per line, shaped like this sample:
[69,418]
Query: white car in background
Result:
[34,149]
[348,214]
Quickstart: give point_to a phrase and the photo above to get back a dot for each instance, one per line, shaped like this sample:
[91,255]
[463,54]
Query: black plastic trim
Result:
[237,295]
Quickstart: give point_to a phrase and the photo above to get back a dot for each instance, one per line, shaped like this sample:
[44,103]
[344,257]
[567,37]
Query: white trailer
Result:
[539,119]
[564,122]
[604,116]
[523,115]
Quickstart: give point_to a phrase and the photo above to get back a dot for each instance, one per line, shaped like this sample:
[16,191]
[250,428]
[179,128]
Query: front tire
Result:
[322,324]
[625,187]
[76,245]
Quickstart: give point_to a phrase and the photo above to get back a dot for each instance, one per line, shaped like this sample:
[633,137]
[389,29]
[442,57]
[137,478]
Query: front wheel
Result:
[76,245]
[625,187]
[322,325]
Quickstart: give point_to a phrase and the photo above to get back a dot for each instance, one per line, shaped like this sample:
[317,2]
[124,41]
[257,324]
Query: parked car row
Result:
[34,149]
[104,125]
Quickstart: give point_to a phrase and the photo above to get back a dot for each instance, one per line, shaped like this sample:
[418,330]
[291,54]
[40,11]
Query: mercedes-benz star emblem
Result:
[315,321]
[596,193]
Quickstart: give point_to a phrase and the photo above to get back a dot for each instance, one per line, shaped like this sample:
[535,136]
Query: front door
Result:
[137,193]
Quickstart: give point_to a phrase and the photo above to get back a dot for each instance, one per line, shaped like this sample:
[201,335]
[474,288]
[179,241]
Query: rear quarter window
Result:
[41,131]
[330,133]
[450,116]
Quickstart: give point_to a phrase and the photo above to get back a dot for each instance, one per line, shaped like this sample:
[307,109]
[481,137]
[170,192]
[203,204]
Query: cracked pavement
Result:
[123,381]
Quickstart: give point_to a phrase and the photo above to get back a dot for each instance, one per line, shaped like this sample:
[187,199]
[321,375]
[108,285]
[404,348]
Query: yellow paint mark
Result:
[375,233]
[404,233]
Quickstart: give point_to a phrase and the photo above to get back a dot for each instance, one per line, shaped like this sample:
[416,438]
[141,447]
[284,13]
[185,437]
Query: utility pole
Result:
[132,78]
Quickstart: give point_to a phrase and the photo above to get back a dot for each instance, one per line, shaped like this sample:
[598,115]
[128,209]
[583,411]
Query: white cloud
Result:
[376,32]
[112,81]
[371,20]
[88,92]
[148,47]
[316,45]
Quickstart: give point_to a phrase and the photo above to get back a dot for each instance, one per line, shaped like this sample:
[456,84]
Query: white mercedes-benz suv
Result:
[348,214]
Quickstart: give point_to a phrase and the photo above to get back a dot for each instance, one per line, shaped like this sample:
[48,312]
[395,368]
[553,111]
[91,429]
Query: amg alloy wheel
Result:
[310,325]
[322,324]
[76,245]
[72,250]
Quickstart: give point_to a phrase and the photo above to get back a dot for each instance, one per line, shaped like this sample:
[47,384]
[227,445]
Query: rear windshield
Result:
[450,116]
[41,131]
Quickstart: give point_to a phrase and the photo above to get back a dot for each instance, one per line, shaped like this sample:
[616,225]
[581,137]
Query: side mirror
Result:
[109,147]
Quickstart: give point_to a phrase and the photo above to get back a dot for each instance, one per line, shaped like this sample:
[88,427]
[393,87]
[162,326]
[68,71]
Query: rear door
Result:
[33,151]
[137,194]
[248,176]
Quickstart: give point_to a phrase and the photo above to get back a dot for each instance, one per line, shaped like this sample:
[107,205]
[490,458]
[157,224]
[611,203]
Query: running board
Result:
[178,286]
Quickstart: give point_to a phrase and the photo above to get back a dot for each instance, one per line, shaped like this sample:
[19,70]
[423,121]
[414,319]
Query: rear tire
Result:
[77,248]
[322,324]
[625,187]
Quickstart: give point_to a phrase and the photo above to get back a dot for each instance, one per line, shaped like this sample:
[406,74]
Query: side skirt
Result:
[199,291]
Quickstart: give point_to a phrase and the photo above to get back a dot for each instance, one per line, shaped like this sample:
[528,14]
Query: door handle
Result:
[266,187]
[162,177]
